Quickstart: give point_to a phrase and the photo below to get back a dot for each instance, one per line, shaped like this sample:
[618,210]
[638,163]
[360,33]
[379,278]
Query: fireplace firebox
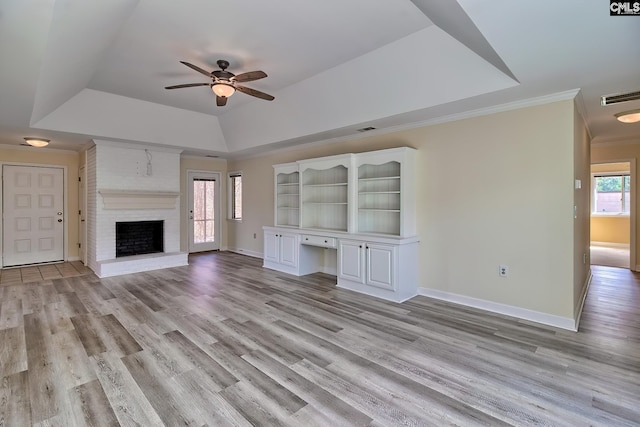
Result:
[139,237]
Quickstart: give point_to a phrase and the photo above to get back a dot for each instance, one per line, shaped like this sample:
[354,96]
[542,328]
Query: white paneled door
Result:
[33,220]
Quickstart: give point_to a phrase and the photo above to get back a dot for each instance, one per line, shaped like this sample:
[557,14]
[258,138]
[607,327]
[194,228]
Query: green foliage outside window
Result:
[608,184]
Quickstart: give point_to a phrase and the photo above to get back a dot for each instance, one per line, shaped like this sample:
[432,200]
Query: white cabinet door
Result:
[368,263]
[351,260]
[289,247]
[380,265]
[281,248]
[271,246]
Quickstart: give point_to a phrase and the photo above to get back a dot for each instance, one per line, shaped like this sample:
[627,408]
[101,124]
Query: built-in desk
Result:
[382,266]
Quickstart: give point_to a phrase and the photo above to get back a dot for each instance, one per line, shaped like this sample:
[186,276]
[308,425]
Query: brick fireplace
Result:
[126,184]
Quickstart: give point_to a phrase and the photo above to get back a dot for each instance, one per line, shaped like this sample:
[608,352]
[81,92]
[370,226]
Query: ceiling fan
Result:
[225,83]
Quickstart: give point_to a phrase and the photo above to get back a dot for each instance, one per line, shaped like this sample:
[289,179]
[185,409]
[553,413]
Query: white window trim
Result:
[594,175]
[230,195]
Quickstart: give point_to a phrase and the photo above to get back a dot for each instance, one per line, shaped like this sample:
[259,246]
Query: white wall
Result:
[495,189]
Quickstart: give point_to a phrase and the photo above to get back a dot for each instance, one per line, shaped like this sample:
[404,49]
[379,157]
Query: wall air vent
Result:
[618,98]
[367,129]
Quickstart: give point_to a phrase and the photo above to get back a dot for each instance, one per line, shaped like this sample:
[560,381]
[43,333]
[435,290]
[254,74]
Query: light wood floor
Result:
[225,342]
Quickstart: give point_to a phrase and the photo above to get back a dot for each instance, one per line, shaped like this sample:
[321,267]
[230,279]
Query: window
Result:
[611,194]
[235,195]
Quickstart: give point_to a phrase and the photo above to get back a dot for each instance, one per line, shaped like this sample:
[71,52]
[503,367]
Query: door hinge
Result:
[79,212]
[79,245]
[79,179]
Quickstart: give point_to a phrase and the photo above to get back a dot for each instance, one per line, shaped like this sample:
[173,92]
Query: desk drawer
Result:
[325,242]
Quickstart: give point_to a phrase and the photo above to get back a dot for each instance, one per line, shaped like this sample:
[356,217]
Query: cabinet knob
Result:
[325,241]
[360,246]
[306,238]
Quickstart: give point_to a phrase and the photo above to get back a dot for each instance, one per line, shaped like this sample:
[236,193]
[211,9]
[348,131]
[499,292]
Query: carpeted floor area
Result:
[610,257]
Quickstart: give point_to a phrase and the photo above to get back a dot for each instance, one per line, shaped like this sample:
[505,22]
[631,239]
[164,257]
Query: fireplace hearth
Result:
[139,237]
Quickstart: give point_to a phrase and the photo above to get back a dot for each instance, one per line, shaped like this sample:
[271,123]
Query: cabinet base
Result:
[401,295]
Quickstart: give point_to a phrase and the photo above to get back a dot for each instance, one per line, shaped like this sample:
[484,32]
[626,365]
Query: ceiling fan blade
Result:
[221,101]
[198,69]
[255,93]
[187,85]
[250,76]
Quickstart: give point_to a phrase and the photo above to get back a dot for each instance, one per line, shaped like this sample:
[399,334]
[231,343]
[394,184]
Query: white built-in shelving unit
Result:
[386,192]
[362,206]
[287,212]
[325,199]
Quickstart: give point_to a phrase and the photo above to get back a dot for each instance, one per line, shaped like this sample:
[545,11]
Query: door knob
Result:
[59,213]
[59,219]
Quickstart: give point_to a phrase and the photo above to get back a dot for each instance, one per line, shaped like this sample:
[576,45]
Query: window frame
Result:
[231,199]
[622,174]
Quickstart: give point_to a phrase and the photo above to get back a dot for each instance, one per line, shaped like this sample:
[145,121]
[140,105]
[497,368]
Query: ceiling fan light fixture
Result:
[632,116]
[223,89]
[36,142]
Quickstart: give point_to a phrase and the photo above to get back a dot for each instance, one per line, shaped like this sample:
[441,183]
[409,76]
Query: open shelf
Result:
[379,200]
[288,199]
[325,198]
[370,192]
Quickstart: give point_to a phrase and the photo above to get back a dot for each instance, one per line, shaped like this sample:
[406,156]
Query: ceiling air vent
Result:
[367,129]
[621,97]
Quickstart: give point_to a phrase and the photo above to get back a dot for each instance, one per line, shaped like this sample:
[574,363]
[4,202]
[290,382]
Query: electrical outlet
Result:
[503,270]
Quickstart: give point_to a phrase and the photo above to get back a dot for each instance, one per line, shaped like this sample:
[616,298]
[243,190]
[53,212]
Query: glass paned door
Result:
[203,214]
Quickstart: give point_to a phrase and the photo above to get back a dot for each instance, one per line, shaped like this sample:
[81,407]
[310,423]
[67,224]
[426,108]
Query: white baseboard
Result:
[580,305]
[611,245]
[245,252]
[73,258]
[509,310]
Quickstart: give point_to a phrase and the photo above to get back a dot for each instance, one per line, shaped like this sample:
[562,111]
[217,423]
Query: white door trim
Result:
[65,202]
[82,207]
[217,176]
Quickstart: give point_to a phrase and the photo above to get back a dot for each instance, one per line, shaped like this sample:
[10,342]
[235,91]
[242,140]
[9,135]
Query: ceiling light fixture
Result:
[223,89]
[632,116]
[36,142]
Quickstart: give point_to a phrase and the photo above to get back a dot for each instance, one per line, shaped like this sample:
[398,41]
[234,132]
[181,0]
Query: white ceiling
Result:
[76,70]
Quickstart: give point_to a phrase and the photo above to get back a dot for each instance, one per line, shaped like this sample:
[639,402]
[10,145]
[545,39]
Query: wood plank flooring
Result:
[226,342]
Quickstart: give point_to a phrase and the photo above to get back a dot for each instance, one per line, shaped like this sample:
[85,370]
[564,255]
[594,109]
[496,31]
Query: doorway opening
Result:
[612,212]
[203,210]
